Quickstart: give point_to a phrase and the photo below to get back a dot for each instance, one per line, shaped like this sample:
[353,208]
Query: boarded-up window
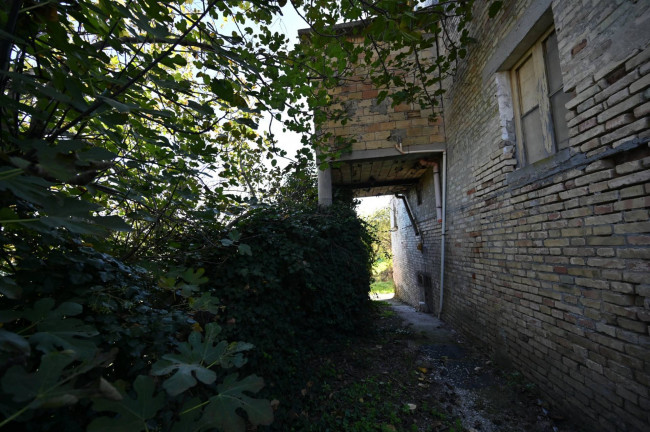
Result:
[539,101]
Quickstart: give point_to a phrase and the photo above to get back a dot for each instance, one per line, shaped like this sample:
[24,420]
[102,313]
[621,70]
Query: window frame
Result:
[543,99]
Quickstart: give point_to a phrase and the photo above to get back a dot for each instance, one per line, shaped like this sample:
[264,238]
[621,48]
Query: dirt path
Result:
[412,373]
[467,384]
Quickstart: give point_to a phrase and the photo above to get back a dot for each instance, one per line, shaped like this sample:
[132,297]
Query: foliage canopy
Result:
[113,114]
[379,221]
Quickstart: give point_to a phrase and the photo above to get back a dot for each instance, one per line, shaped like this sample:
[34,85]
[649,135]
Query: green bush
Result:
[299,281]
[91,343]
[90,337]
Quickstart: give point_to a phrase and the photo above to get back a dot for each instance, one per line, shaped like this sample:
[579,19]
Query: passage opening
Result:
[376,212]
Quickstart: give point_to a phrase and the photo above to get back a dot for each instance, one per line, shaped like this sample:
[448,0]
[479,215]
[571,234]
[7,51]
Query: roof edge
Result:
[346,27]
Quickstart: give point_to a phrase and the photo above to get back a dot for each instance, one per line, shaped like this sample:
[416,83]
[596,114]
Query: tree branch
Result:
[98,103]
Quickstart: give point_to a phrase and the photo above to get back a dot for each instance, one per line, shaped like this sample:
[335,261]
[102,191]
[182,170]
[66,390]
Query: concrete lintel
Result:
[346,27]
[390,153]
[378,184]
[537,18]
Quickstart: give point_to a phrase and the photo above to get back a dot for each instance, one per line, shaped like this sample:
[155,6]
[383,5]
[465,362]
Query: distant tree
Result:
[380,223]
[297,187]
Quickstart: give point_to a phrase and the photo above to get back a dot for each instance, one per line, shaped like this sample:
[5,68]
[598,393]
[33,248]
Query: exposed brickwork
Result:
[551,269]
[373,125]
[417,255]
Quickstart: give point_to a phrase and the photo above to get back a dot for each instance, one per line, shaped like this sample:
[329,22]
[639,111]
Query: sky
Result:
[371,204]
[288,24]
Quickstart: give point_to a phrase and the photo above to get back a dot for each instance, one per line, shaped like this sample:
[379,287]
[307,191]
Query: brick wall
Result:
[416,258]
[549,264]
[371,125]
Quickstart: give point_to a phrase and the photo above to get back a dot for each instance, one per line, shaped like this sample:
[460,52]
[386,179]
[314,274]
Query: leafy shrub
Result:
[95,344]
[299,281]
[379,223]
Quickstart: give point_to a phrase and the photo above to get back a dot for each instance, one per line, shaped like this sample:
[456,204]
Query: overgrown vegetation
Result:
[94,343]
[287,281]
[399,379]
[302,288]
[382,268]
[379,221]
[373,385]
[124,266]
[387,287]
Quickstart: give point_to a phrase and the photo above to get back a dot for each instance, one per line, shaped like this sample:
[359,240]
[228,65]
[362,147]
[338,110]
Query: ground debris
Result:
[400,379]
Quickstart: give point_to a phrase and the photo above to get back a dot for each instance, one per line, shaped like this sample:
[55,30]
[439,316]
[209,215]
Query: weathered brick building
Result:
[547,250]
[543,159]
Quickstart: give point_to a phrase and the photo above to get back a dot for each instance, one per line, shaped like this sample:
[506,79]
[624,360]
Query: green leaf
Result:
[189,418]
[246,121]
[245,249]
[68,334]
[8,214]
[194,277]
[74,225]
[43,310]
[223,89]
[9,315]
[70,207]
[40,385]
[55,330]
[96,154]
[200,108]
[119,106]
[114,223]
[12,342]
[239,102]
[495,7]
[234,235]
[30,188]
[196,357]
[184,378]
[187,365]
[205,303]
[9,288]
[131,413]
[221,412]
[191,283]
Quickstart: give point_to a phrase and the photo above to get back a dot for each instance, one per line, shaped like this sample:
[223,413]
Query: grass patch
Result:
[383,309]
[372,385]
[377,383]
[387,287]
